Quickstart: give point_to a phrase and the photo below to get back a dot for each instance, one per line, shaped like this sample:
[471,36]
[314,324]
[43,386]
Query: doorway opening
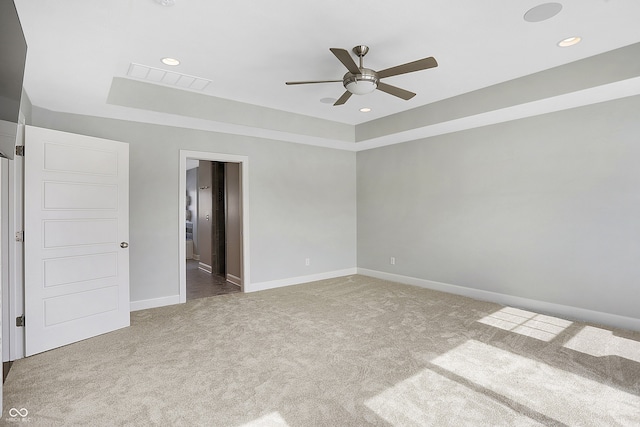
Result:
[213,224]
[212,233]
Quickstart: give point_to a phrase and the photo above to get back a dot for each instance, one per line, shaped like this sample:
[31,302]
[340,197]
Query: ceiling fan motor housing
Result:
[363,83]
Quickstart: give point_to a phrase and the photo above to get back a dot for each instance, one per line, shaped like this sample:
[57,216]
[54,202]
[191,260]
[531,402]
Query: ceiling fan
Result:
[359,80]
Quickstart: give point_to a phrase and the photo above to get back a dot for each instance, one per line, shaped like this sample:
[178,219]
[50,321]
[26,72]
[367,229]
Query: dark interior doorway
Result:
[211,217]
[212,209]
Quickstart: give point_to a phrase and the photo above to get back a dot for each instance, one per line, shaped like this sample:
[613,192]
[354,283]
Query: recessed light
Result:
[328,100]
[569,41]
[365,110]
[166,2]
[170,61]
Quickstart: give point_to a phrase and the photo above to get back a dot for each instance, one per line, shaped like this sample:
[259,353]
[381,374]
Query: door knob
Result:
[124,245]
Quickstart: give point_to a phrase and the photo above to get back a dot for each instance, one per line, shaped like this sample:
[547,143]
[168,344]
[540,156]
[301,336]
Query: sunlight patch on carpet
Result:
[527,323]
[429,398]
[600,342]
[274,419]
[553,392]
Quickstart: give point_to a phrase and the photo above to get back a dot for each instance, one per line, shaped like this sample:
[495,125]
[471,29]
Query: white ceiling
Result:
[248,49]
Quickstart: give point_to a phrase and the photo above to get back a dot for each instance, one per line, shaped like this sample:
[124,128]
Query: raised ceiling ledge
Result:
[164,99]
[600,78]
[579,76]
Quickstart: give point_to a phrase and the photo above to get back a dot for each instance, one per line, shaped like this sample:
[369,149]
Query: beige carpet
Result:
[343,352]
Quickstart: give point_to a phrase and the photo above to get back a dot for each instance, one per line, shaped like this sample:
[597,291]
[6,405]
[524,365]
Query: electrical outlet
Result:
[392,260]
[307,261]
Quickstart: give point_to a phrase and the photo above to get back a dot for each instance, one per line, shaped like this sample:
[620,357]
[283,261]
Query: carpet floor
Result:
[350,351]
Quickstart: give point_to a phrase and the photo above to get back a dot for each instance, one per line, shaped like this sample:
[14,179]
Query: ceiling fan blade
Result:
[395,91]
[313,81]
[345,96]
[346,59]
[409,67]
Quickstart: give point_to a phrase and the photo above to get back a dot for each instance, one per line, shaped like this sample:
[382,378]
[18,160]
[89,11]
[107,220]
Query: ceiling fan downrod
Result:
[366,81]
[361,51]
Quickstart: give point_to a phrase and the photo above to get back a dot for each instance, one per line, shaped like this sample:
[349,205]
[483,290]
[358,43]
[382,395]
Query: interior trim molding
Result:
[564,311]
[254,287]
[234,279]
[272,284]
[205,267]
[154,302]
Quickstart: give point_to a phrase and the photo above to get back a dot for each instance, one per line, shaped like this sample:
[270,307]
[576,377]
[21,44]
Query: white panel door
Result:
[76,238]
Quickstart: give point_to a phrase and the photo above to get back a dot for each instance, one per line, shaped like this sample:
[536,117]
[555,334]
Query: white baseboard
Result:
[234,279]
[262,286]
[154,302]
[565,311]
[205,267]
[254,287]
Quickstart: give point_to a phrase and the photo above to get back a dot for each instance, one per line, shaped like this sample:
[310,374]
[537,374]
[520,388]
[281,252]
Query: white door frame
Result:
[13,289]
[182,203]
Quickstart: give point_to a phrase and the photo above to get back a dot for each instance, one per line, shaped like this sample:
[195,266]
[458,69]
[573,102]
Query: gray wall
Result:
[26,107]
[302,200]
[545,208]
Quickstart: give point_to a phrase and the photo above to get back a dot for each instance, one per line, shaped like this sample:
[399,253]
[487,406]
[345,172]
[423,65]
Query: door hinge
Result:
[20,150]
[20,321]
[19,236]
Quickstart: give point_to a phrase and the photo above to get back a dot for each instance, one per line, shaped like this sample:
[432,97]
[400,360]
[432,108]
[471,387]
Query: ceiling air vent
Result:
[172,78]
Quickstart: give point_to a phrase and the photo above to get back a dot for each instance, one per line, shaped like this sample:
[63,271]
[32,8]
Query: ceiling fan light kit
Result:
[360,80]
[361,84]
